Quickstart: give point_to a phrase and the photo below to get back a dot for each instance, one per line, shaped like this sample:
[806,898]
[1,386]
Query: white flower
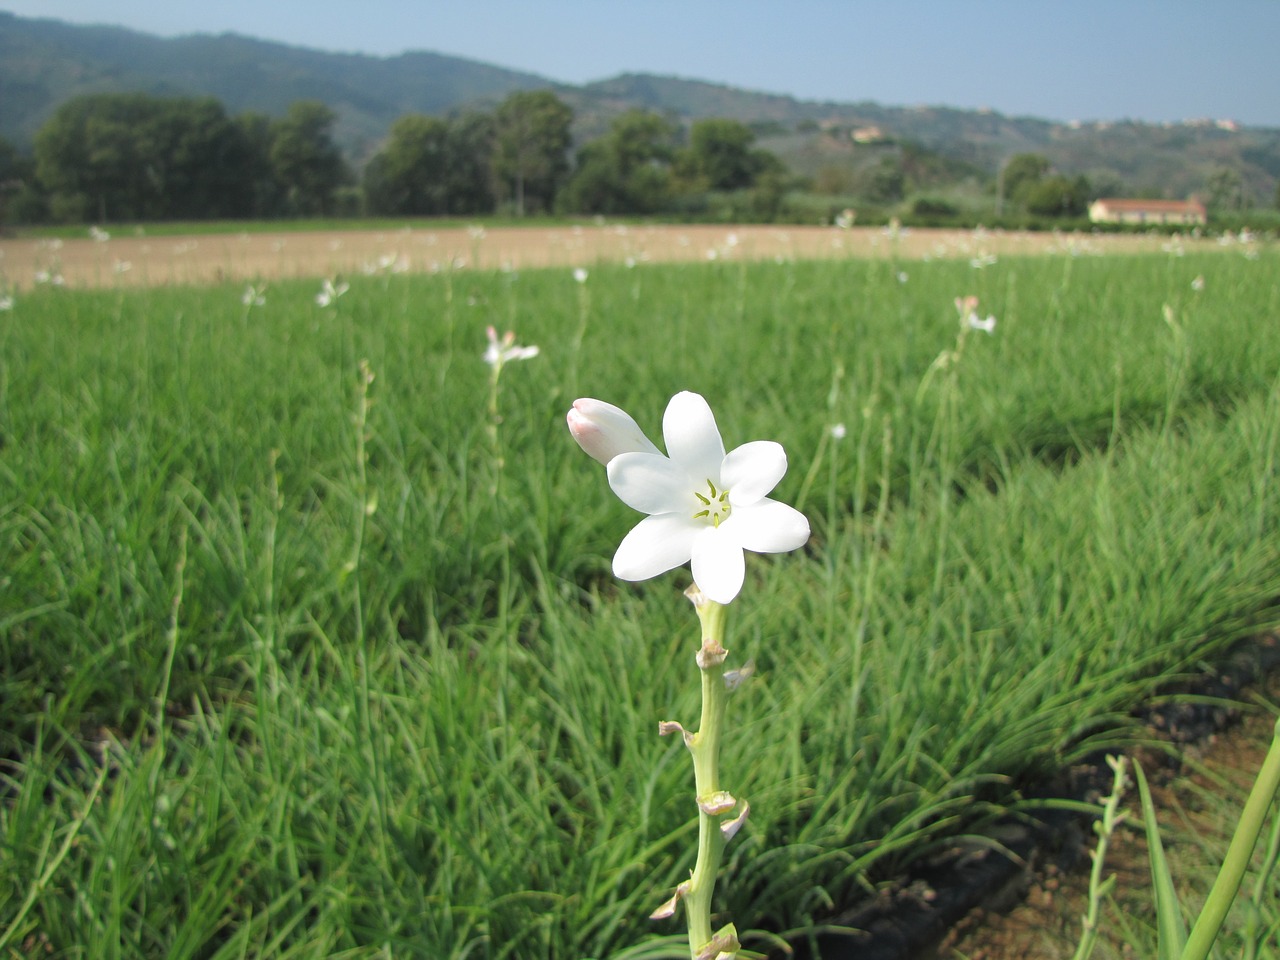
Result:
[1198,283]
[500,351]
[329,293]
[976,323]
[6,302]
[580,275]
[704,507]
[967,307]
[254,297]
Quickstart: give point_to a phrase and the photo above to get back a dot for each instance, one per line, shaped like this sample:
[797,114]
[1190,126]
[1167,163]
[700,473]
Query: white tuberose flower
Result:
[505,350]
[703,506]
[329,293]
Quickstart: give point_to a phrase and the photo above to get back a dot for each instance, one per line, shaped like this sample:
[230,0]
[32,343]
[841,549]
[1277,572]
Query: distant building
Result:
[1147,211]
[868,135]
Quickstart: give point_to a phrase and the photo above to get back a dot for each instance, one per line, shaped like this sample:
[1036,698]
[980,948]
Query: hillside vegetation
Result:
[932,161]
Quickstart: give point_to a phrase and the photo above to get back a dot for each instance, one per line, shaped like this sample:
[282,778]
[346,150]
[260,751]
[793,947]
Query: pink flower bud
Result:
[604,431]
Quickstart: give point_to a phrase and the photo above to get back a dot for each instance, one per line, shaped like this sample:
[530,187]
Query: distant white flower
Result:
[986,325]
[580,275]
[6,302]
[838,431]
[253,296]
[704,507]
[1198,283]
[903,276]
[386,263]
[329,293]
[967,307]
[52,278]
[983,260]
[122,266]
[501,351]
[99,235]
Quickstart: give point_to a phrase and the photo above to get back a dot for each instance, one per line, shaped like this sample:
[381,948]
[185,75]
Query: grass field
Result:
[308,654]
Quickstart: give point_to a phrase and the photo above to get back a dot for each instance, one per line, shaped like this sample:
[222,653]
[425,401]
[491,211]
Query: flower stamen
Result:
[717,505]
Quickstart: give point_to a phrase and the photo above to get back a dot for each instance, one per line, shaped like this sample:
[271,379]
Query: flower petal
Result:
[604,431]
[655,545]
[693,439]
[767,527]
[651,483]
[719,565]
[752,470]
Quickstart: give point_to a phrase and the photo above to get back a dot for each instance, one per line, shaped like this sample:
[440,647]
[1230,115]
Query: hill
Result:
[45,62]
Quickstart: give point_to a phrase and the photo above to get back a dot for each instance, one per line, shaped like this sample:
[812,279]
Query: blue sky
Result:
[1088,60]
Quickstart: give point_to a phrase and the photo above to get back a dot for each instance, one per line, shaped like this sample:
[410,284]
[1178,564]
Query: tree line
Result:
[138,157]
[123,157]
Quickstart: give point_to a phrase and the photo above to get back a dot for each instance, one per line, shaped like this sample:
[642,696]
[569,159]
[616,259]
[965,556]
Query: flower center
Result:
[715,505]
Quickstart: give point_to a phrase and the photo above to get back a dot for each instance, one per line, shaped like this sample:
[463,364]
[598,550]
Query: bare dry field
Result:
[129,259]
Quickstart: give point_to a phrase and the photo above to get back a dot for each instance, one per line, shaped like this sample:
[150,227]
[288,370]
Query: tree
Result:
[628,170]
[133,156]
[196,161]
[86,156]
[305,159]
[431,166]
[408,176]
[1226,189]
[469,164]
[21,200]
[1018,176]
[531,147]
[266,193]
[1057,196]
[720,154]
[887,183]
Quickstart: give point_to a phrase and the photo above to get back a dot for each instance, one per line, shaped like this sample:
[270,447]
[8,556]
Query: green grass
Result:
[298,665]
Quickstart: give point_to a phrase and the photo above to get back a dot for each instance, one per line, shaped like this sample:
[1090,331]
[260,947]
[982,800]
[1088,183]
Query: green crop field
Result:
[311,647]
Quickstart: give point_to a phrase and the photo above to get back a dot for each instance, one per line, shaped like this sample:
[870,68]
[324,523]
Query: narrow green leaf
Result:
[1173,932]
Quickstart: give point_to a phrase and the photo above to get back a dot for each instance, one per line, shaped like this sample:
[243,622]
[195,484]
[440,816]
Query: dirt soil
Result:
[134,259]
[1045,923]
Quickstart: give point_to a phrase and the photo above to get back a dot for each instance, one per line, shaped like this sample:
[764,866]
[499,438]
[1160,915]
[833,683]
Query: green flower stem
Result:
[1239,852]
[705,747]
